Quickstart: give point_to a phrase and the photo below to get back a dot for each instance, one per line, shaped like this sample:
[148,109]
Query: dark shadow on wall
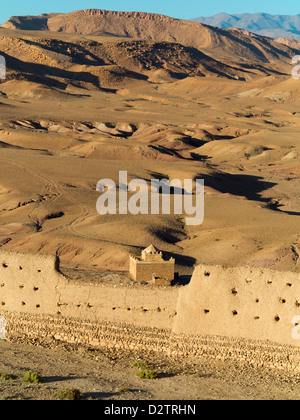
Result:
[181,260]
[184,267]
[183,280]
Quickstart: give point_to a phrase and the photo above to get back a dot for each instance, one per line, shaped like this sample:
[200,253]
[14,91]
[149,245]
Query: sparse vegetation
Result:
[147,374]
[32,377]
[70,394]
[162,99]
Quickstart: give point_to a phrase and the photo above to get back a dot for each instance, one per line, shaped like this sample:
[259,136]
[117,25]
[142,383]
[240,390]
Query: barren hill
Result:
[36,23]
[92,93]
[231,44]
[77,107]
[95,65]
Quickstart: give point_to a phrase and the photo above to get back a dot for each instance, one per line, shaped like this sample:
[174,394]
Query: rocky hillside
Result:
[95,65]
[222,43]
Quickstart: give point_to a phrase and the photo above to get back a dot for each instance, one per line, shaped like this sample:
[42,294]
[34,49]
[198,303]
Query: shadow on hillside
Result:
[181,260]
[77,53]
[255,49]
[46,72]
[51,379]
[101,395]
[248,186]
[41,73]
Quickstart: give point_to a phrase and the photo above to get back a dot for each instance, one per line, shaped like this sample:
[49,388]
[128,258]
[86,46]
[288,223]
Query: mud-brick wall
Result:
[28,283]
[145,270]
[32,284]
[236,303]
[249,303]
[140,306]
[132,267]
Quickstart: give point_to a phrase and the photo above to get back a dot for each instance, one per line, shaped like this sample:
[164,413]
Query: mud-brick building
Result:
[151,267]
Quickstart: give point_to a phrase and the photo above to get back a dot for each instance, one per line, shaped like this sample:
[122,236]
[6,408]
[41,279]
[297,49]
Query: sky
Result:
[182,9]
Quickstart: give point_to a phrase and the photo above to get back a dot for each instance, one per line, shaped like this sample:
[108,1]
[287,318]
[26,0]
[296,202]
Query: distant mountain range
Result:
[274,26]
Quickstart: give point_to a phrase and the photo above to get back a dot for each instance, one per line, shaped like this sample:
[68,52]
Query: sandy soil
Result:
[251,214]
[245,148]
[109,376]
[76,109]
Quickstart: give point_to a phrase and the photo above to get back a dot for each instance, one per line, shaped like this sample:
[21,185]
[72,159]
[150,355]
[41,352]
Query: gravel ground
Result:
[110,375]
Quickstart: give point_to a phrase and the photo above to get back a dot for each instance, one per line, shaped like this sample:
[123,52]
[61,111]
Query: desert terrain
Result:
[88,95]
[111,376]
